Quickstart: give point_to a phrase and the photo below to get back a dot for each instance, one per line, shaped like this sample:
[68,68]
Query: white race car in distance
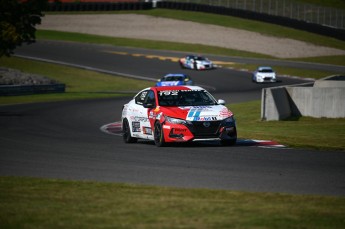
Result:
[196,62]
[264,74]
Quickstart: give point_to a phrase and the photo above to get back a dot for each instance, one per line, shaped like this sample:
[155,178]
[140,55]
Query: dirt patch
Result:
[162,29]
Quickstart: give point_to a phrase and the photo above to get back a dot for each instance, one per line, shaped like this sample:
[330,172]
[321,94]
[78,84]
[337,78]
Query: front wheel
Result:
[126,133]
[159,135]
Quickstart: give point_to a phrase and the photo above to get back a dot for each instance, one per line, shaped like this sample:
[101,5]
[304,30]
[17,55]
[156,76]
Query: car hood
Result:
[203,62]
[196,113]
[266,74]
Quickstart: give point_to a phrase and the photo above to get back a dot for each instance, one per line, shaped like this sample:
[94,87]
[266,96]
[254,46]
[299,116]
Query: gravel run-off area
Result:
[162,29]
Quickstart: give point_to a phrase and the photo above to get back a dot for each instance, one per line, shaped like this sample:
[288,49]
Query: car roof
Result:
[177,88]
[171,88]
[264,67]
[175,74]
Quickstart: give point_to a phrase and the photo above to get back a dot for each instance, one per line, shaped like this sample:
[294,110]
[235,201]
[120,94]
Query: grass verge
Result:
[301,132]
[80,84]
[46,203]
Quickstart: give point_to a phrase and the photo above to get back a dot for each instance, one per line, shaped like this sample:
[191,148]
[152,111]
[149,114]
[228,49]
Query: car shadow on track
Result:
[239,143]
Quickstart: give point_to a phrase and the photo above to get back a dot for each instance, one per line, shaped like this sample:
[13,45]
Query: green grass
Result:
[302,132]
[80,84]
[46,203]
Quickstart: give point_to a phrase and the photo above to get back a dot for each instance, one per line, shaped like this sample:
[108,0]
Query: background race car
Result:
[264,74]
[196,62]
[174,79]
[177,114]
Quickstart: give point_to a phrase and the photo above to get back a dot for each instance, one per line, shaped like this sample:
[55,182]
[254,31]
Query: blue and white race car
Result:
[174,79]
[196,62]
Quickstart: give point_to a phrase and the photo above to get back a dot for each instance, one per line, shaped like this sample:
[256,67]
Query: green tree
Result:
[18,19]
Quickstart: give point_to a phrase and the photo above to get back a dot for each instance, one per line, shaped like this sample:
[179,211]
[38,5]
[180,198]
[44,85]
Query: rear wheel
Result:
[159,135]
[126,133]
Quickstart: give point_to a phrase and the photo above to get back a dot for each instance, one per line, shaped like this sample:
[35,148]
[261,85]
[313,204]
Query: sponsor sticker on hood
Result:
[208,113]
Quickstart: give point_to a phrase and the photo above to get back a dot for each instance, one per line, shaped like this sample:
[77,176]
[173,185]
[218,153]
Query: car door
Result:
[139,119]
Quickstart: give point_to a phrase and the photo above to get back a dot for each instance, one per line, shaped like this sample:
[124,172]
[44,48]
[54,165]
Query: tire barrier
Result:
[283,21]
[6,90]
[98,6]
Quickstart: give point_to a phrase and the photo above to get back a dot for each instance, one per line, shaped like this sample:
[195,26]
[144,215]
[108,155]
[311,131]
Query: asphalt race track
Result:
[64,140]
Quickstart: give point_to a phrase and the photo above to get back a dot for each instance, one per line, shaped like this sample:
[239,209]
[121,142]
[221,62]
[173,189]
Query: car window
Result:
[140,98]
[200,58]
[185,98]
[150,98]
[173,78]
[268,70]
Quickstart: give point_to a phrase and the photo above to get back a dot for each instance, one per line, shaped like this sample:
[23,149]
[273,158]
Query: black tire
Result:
[126,133]
[159,135]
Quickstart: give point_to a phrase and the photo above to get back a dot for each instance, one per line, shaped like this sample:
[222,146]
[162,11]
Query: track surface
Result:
[63,139]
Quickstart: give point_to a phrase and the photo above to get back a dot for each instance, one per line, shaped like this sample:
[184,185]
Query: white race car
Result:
[264,74]
[196,62]
[177,114]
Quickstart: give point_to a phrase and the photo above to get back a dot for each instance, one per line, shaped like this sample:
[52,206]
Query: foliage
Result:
[17,22]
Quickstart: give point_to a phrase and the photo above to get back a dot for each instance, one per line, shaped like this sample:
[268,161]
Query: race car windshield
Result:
[185,98]
[200,58]
[173,78]
[266,70]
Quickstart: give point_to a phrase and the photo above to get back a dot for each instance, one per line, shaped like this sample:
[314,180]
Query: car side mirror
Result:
[221,101]
[149,105]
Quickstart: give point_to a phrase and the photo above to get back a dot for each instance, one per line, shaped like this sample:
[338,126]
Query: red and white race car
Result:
[177,114]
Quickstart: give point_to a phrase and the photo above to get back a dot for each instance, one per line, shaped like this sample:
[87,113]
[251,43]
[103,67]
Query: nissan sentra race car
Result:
[196,62]
[177,114]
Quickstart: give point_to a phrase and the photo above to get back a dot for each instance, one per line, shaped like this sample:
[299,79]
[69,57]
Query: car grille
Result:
[201,131]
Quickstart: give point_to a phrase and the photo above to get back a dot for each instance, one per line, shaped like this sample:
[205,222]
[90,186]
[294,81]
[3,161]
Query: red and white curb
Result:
[112,128]
[259,143]
[115,128]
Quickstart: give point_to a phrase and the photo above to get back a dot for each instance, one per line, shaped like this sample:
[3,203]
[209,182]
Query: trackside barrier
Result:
[324,98]
[31,89]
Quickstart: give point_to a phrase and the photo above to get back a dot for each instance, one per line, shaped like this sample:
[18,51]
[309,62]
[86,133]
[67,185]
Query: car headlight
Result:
[175,120]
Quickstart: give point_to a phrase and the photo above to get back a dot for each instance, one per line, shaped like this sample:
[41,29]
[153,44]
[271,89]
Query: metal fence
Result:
[326,16]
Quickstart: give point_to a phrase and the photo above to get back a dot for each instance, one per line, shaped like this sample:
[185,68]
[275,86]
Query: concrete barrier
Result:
[324,98]
[275,105]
